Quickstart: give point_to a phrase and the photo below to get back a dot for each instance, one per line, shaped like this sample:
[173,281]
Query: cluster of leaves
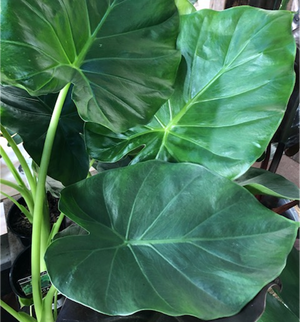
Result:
[193,111]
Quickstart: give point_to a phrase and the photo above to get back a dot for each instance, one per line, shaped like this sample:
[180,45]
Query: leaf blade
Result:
[230,94]
[30,117]
[140,48]
[259,181]
[151,264]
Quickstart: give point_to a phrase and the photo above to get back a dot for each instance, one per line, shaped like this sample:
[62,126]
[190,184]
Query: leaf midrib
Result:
[224,69]
[149,242]
[79,59]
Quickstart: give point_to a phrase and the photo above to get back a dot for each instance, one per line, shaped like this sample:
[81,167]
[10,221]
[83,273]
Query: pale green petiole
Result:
[39,242]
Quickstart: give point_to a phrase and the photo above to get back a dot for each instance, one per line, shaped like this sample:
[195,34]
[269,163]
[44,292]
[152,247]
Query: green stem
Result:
[30,178]
[21,207]
[55,228]
[284,4]
[24,192]
[12,185]
[90,165]
[47,305]
[15,314]
[92,162]
[11,167]
[55,307]
[39,202]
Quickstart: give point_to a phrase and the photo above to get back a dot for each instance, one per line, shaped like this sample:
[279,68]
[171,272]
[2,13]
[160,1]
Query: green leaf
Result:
[290,282]
[231,93]
[184,7]
[259,181]
[30,117]
[276,311]
[249,313]
[284,305]
[119,54]
[173,238]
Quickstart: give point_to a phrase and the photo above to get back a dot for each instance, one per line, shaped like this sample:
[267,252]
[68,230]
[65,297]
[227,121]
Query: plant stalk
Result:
[21,207]
[281,209]
[11,167]
[15,314]
[40,196]
[25,193]
[284,4]
[47,305]
[55,228]
[30,178]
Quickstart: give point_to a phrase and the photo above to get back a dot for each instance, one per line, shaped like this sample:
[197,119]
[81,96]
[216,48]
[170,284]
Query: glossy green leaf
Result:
[230,96]
[276,311]
[119,54]
[290,282]
[184,7]
[262,182]
[173,238]
[30,117]
[284,304]
[249,313]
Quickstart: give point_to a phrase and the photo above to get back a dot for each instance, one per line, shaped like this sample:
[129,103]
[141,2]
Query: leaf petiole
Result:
[38,244]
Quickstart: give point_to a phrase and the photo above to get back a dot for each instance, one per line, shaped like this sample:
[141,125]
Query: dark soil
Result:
[21,225]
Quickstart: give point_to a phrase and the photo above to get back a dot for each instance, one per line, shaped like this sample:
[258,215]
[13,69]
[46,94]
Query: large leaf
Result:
[276,311]
[30,117]
[230,96]
[290,282]
[260,181]
[284,306]
[120,54]
[174,238]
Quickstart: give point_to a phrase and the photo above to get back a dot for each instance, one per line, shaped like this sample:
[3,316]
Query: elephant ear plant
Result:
[194,99]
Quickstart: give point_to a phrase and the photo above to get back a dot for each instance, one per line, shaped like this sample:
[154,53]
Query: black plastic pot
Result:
[274,202]
[75,312]
[21,268]
[20,226]
[5,285]
[20,274]
[16,216]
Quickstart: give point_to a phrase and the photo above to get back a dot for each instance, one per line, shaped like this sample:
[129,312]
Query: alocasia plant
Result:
[174,234]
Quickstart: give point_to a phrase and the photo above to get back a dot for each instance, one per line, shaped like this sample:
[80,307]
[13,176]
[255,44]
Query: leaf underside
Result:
[173,238]
[263,182]
[30,117]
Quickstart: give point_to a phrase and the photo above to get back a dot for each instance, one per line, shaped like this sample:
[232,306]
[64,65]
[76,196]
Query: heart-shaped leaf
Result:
[119,54]
[262,182]
[30,117]
[174,238]
[230,96]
